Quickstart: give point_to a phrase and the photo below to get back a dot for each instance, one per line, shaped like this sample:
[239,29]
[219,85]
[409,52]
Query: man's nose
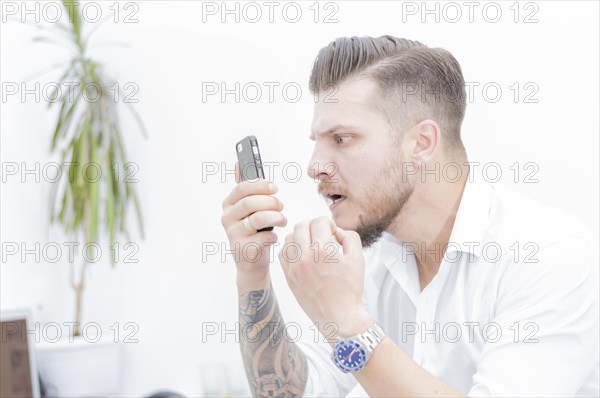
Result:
[320,167]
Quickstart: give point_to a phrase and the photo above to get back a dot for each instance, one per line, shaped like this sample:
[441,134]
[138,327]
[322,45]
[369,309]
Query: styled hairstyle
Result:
[416,82]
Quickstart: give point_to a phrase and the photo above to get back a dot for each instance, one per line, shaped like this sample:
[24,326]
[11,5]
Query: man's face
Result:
[358,160]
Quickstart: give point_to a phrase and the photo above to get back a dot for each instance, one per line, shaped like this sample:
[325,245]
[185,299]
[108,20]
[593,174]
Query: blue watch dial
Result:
[349,355]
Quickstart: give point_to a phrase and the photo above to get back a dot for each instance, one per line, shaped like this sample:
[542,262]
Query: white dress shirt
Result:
[512,311]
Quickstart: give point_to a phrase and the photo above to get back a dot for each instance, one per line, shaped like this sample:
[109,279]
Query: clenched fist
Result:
[327,283]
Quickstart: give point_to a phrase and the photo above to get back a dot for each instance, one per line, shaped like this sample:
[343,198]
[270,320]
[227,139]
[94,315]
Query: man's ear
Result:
[425,140]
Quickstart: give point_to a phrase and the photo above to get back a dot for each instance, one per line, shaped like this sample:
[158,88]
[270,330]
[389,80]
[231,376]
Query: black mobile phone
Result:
[248,156]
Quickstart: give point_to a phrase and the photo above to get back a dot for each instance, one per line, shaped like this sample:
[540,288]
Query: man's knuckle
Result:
[245,205]
[242,188]
[275,203]
[229,229]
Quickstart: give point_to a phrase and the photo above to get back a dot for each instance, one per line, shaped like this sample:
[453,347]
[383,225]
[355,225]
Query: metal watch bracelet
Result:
[371,337]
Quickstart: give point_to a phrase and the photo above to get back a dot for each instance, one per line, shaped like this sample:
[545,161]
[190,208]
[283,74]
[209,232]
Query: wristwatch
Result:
[351,354]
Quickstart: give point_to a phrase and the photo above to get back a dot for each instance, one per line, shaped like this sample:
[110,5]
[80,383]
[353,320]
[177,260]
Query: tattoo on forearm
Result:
[275,367]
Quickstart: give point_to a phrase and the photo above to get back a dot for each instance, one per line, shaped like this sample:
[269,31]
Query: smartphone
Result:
[248,156]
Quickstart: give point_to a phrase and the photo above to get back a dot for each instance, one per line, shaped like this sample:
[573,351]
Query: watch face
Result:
[349,355]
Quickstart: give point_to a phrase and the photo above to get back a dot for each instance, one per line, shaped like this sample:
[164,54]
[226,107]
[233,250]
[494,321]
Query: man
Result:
[468,289]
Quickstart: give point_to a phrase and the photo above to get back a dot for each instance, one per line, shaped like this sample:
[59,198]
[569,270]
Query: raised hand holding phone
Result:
[250,212]
[250,166]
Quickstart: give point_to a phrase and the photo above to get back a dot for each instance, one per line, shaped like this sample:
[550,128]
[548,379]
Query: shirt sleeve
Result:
[546,323]
[324,378]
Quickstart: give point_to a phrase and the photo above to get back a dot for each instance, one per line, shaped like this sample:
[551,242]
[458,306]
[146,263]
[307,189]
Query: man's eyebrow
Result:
[331,130]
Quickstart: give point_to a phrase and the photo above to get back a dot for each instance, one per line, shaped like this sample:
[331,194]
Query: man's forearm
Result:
[274,366]
[392,373]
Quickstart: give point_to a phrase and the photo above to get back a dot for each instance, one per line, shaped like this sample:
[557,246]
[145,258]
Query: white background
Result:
[171,292]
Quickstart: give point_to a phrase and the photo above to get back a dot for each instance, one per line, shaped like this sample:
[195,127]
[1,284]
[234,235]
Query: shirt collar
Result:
[472,217]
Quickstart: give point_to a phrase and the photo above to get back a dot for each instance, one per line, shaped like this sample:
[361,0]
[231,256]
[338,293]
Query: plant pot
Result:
[80,368]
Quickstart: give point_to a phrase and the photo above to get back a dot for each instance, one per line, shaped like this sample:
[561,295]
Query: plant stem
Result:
[79,289]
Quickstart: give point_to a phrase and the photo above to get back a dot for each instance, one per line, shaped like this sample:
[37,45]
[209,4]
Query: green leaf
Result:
[42,39]
[72,8]
[89,36]
[81,150]
[58,124]
[64,121]
[110,205]
[92,187]
[120,146]
[136,115]
[123,210]
[118,194]
[66,213]
[80,158]
[138,212]
[63,208]
[54,192]
[60,82]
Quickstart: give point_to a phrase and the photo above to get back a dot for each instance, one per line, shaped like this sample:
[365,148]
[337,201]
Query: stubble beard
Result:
[383,206]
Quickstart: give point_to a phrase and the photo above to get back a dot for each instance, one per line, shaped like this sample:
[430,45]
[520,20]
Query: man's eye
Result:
[342,139]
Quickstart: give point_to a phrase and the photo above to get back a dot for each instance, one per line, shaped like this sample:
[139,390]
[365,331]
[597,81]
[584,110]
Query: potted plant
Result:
[88,135]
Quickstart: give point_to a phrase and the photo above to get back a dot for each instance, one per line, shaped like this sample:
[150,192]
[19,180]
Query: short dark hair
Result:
[408,74]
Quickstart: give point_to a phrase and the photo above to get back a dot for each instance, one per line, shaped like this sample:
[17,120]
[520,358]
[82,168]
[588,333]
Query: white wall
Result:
[171,292]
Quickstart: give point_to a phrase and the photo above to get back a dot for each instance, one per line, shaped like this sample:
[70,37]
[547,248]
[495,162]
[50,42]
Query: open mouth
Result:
[333,199]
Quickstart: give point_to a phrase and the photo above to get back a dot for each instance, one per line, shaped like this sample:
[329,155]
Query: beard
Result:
[383,201]
[381,211]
